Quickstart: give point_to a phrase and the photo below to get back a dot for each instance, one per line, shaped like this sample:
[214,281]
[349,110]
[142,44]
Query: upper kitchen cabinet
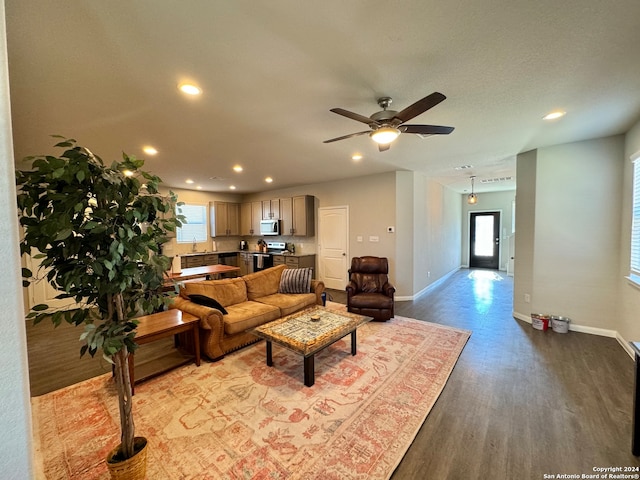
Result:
[225,219]
[298,216]
[271,209]
[250,216]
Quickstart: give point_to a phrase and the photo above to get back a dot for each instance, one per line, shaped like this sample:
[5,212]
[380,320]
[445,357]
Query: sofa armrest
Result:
[317,287]
[211,325]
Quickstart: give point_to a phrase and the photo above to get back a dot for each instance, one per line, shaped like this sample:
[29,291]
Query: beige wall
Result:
[489,202]
[372,205]
[525,231]
[15,411]
[572,218]
[436,232]
[628,320]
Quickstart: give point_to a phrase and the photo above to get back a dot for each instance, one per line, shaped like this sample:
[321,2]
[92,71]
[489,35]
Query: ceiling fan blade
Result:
[384,148]
[420,106]
[354,116]
[426,129]
[347,136]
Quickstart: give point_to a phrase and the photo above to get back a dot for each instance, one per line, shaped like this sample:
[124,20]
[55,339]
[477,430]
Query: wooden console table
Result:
[162,325]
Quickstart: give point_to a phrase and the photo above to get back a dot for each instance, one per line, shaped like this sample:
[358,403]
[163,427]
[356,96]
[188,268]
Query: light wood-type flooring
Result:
[520,403]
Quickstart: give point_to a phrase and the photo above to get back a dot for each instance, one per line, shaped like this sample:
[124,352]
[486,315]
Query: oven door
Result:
[262,261]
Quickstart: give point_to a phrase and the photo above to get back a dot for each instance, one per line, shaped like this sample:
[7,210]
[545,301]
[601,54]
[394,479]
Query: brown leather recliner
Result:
[369,291]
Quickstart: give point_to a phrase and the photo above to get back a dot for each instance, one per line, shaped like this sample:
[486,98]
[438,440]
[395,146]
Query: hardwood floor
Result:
[519,404]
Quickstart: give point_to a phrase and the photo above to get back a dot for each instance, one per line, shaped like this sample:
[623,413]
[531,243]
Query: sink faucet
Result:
[194,247]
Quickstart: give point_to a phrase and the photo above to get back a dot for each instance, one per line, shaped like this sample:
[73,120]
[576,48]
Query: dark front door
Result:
[484,240]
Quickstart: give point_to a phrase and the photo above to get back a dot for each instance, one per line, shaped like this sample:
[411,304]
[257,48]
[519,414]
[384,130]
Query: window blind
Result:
[635,226]
[195,227]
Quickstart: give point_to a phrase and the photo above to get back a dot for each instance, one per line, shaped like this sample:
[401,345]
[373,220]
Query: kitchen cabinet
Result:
[198,260]
[304,216]
[250,216]
[298,216]
[286,216]
[225,219]
[271,209]
[296,261]
[246,263]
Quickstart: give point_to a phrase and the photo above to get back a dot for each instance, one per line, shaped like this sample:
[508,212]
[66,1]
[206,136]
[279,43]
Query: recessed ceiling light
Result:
[149,150]
[232,187]
[554,115]
[199,187]
[189,181]
[356,156]
[190,89]
[237,168]
[268,179]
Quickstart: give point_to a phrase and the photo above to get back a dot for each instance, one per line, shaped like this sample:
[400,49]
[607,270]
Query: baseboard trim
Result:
[625,344]
[603,332]
[428,288]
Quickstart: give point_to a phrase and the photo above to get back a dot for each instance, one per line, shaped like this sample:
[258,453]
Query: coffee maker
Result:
[243,245]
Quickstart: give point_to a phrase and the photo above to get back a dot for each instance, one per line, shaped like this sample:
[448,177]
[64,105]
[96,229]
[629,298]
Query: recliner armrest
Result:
[388,290]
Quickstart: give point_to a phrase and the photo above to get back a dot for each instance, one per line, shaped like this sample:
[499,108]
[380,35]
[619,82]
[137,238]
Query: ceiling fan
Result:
[386,125]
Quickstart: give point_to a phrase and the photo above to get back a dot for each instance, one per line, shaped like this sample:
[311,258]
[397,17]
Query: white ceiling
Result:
[105,73]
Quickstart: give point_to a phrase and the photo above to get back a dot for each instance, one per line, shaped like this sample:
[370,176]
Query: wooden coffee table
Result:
[299,333]
[162,325]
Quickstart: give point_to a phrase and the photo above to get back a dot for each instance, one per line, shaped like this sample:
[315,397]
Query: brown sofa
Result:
[250,301]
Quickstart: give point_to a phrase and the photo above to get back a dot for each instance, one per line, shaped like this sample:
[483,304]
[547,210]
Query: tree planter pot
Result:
[134,468]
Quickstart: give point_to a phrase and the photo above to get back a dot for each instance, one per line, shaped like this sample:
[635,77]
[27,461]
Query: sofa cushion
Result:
[265,282]
[295,280]
[227,292]
[289,302]
[208,302]
[246,315]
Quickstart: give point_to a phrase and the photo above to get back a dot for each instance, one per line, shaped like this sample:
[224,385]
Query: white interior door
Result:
[333,243]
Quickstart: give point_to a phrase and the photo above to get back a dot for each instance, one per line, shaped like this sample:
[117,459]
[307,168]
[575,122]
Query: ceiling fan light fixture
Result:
[385,135]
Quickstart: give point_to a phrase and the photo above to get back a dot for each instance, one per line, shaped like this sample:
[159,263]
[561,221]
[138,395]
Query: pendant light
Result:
[472,198]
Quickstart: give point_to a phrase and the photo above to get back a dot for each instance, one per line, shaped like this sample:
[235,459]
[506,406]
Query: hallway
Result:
[521,403]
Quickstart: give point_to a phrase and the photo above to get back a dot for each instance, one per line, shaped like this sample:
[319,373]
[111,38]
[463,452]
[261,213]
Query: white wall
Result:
[575,267]
[15,410]
[489,202]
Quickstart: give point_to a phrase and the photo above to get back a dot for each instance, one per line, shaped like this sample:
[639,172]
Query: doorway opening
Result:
[484,240]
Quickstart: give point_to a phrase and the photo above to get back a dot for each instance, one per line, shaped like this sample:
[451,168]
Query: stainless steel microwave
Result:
[270,227]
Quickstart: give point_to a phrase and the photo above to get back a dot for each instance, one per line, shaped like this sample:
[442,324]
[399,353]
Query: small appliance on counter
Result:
[243,245]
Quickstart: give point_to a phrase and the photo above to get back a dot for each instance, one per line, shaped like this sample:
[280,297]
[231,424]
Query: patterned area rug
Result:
[239,419]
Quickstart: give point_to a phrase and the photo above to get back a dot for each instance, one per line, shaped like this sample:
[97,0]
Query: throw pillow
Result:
[207,302]
[295,280]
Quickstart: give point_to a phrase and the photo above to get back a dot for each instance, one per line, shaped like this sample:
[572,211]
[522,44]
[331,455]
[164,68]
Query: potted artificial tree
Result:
[98,231]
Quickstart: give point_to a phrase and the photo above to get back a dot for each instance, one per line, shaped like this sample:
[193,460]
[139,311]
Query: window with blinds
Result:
[635,225]
[194,229]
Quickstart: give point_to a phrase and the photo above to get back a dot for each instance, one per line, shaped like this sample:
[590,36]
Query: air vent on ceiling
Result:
[464,167]
[496,180]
